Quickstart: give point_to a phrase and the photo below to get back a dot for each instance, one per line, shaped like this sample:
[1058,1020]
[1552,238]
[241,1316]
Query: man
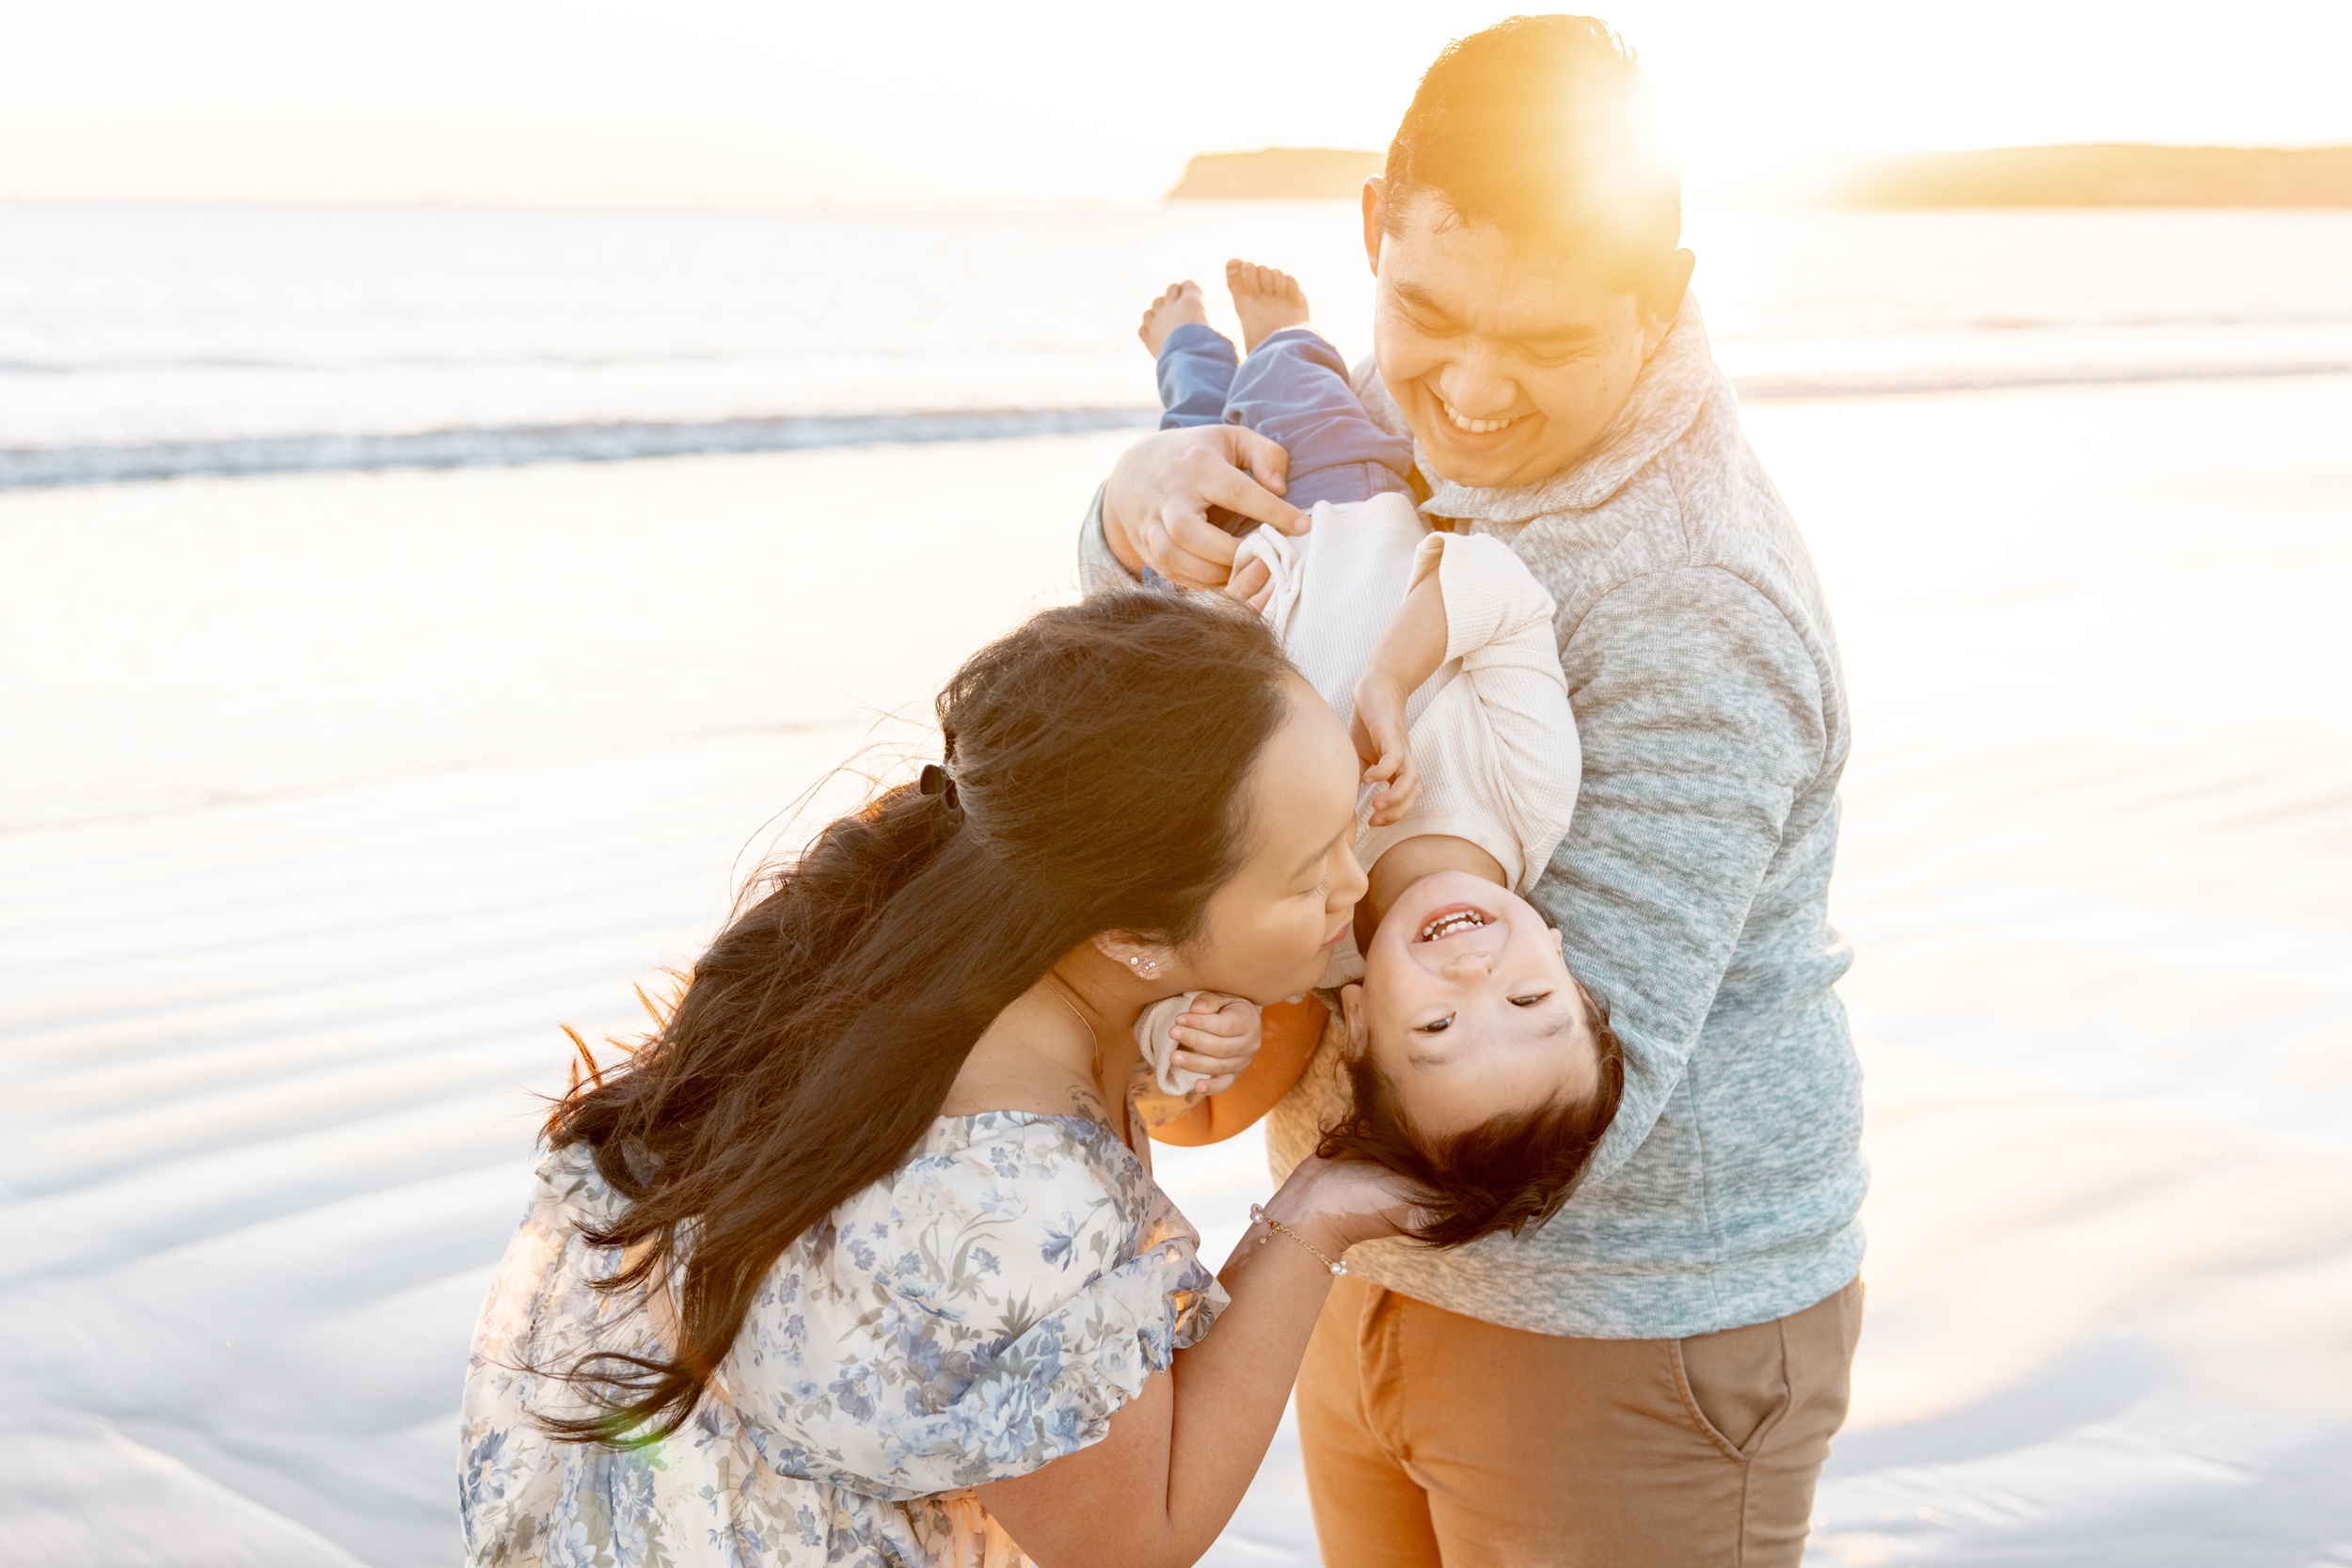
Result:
[1653,1377]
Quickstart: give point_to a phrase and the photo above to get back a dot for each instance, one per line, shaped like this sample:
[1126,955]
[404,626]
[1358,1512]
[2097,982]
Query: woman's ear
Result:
[1145,960]
[1356,1030]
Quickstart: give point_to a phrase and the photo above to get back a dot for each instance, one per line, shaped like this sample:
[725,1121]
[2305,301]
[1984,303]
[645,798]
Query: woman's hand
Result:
[1216,1037]
[1155,507]
[1342,1202]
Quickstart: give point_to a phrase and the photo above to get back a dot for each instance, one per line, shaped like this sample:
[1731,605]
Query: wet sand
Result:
[329,797]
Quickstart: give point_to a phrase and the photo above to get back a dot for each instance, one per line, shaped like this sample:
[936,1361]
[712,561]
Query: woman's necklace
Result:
[1056,985]
[1059,987]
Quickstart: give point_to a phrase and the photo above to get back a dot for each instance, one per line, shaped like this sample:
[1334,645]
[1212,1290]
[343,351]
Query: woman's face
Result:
[1272,926]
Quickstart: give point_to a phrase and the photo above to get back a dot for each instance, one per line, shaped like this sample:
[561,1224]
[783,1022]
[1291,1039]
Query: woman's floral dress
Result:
[983,1310]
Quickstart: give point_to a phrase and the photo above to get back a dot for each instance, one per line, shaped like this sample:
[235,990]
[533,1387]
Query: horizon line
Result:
[1764,186]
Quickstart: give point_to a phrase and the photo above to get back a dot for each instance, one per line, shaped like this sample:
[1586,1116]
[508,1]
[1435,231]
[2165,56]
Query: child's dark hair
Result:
[1534,126]
[1507,1173]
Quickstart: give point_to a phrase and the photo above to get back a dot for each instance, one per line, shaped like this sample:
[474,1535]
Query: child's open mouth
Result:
[1452,922]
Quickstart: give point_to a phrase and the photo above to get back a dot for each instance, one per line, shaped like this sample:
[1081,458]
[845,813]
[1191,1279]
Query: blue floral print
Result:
[894,1359]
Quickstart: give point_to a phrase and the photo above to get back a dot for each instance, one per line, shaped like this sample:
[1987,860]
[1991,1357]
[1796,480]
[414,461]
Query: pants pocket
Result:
[1735,1383]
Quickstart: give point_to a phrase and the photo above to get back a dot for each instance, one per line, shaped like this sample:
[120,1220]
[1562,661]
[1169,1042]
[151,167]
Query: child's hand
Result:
[1217,1035]
[1252,584]
[1378,731]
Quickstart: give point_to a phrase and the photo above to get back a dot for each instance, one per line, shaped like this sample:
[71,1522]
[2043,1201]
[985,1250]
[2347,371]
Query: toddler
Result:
[1477,1065]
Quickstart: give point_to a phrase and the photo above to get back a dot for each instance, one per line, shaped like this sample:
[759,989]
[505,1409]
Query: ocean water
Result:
[148,340]
[329,795]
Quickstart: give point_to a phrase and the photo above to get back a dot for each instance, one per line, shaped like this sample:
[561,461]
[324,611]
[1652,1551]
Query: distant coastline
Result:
[2109,174]
[1278,174]
[2089,174]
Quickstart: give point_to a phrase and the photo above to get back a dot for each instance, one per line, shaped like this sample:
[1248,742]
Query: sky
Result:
[925,104]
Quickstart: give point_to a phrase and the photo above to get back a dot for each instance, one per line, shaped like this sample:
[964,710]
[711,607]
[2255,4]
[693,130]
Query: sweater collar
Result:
[1666,398]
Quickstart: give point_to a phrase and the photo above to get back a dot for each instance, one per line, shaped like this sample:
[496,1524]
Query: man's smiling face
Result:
[1507,361]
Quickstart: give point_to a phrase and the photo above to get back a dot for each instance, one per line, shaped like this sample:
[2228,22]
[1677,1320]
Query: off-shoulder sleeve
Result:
[985,1314]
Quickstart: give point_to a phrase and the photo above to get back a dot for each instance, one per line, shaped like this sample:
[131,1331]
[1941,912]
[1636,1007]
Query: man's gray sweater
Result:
[1692,889]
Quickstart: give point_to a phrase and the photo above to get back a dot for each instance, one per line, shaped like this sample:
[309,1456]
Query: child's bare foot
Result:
[1267,300]
[1179,306]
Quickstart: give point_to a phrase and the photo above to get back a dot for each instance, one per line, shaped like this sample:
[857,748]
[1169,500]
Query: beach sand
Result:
[330,797]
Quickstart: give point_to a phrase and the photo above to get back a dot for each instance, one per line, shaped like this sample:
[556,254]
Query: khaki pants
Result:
[1434,1438]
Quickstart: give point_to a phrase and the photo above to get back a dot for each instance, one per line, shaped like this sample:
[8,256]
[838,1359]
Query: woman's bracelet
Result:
[1257,1211]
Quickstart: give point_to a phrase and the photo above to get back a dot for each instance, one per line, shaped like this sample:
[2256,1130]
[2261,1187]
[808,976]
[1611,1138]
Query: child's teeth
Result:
[1446,924]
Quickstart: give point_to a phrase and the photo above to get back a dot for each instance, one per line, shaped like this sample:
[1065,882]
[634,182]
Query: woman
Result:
[859,1260]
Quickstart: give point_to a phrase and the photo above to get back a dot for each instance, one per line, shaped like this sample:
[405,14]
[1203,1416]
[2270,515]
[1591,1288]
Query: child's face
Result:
[1467,1009]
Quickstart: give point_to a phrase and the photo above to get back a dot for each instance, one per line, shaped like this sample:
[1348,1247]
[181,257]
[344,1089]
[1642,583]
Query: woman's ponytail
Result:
[1095,760]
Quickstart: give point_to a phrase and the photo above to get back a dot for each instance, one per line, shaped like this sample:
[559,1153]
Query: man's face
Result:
[1507,362]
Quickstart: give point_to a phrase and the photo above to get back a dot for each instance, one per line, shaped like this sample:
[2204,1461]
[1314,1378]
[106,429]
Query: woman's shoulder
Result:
[993,1220]
[1031,1189]
[980,1311]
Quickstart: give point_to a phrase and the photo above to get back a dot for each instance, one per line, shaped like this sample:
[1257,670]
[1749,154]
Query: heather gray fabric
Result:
[1691,888]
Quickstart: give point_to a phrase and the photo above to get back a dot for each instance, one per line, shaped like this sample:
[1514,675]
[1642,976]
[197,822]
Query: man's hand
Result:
[1155,508]
[1381,744]
[1217,1037]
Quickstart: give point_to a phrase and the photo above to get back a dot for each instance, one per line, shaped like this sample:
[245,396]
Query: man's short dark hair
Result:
[1534,126]
[1507,1173]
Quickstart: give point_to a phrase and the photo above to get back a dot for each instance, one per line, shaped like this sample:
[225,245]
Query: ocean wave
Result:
[508,446]
[360,363]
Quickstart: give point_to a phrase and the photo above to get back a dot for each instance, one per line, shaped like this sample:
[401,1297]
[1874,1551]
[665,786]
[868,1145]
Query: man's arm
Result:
[1700,713]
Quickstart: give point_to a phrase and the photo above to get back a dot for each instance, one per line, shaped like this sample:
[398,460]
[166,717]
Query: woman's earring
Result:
[1145,967]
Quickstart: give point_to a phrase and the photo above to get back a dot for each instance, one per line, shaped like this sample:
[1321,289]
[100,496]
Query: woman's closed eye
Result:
[1530,999]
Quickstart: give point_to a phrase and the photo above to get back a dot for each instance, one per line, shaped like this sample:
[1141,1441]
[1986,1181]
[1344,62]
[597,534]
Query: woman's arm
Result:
[1160,1488]
[1290,1031]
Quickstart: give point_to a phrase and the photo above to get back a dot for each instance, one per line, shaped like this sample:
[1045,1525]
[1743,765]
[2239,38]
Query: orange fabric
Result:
[1434,1440]
[1291,1032]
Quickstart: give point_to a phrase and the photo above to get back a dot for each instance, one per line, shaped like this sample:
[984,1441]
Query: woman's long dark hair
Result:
[1099,756]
